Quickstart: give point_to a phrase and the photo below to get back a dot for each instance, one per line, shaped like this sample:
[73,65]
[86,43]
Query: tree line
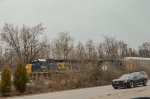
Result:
[27,43]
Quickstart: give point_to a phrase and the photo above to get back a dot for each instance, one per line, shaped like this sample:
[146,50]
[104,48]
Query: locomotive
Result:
[44,67]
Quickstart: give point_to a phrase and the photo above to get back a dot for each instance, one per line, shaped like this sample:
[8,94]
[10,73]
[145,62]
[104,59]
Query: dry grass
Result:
[70,80]
[74,80]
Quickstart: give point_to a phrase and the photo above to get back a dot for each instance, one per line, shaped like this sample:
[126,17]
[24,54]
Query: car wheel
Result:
[145,83]
[131,84]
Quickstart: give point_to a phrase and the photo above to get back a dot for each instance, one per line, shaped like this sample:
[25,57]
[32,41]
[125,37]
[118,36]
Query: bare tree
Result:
[110,47]
[90,49]
[10,34]
[80,50]
[24,41]
[132,53]
[63,45]
[45,51]
[144,50]
[100,50]
[122,49]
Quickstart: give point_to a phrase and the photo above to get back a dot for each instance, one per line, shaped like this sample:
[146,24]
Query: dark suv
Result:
[131,80]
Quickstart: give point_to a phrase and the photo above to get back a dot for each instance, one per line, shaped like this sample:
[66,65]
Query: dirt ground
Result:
[139,92]
[123,93]
[101,92]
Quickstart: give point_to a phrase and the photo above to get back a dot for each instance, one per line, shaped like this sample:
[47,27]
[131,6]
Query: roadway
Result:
[102,92]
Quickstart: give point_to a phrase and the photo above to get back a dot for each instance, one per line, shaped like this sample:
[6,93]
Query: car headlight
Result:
[113,81]
[125,81]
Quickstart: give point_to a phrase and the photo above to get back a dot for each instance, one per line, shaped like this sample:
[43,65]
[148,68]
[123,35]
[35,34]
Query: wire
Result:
[1,1]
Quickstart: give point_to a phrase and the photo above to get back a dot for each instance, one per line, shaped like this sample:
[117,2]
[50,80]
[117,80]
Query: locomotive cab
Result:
[40,65]
[38,68]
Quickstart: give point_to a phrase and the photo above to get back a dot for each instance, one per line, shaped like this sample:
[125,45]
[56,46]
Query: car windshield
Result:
[143,73]
[125,76]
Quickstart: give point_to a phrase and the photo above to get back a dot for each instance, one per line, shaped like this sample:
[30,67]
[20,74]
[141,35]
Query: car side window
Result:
[141,75]
[135,75]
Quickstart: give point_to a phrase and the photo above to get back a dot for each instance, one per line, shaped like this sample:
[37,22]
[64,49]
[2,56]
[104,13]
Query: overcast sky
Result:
[127,20]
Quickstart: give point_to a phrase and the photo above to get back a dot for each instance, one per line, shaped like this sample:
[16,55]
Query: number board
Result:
[43,67]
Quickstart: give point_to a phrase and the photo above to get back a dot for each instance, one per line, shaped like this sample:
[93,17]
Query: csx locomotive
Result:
[44,68]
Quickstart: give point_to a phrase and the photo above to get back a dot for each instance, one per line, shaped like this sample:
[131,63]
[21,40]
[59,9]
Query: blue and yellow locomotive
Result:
[44,68]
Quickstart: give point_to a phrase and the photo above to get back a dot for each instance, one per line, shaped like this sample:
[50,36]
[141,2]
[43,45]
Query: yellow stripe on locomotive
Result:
[29,68]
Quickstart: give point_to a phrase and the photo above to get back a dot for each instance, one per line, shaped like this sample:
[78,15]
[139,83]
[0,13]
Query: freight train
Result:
[136,62]
[47,67]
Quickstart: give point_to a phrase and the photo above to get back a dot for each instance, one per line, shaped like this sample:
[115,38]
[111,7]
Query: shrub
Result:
[20,78]
[5,80]
[0,87]
[95,75]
